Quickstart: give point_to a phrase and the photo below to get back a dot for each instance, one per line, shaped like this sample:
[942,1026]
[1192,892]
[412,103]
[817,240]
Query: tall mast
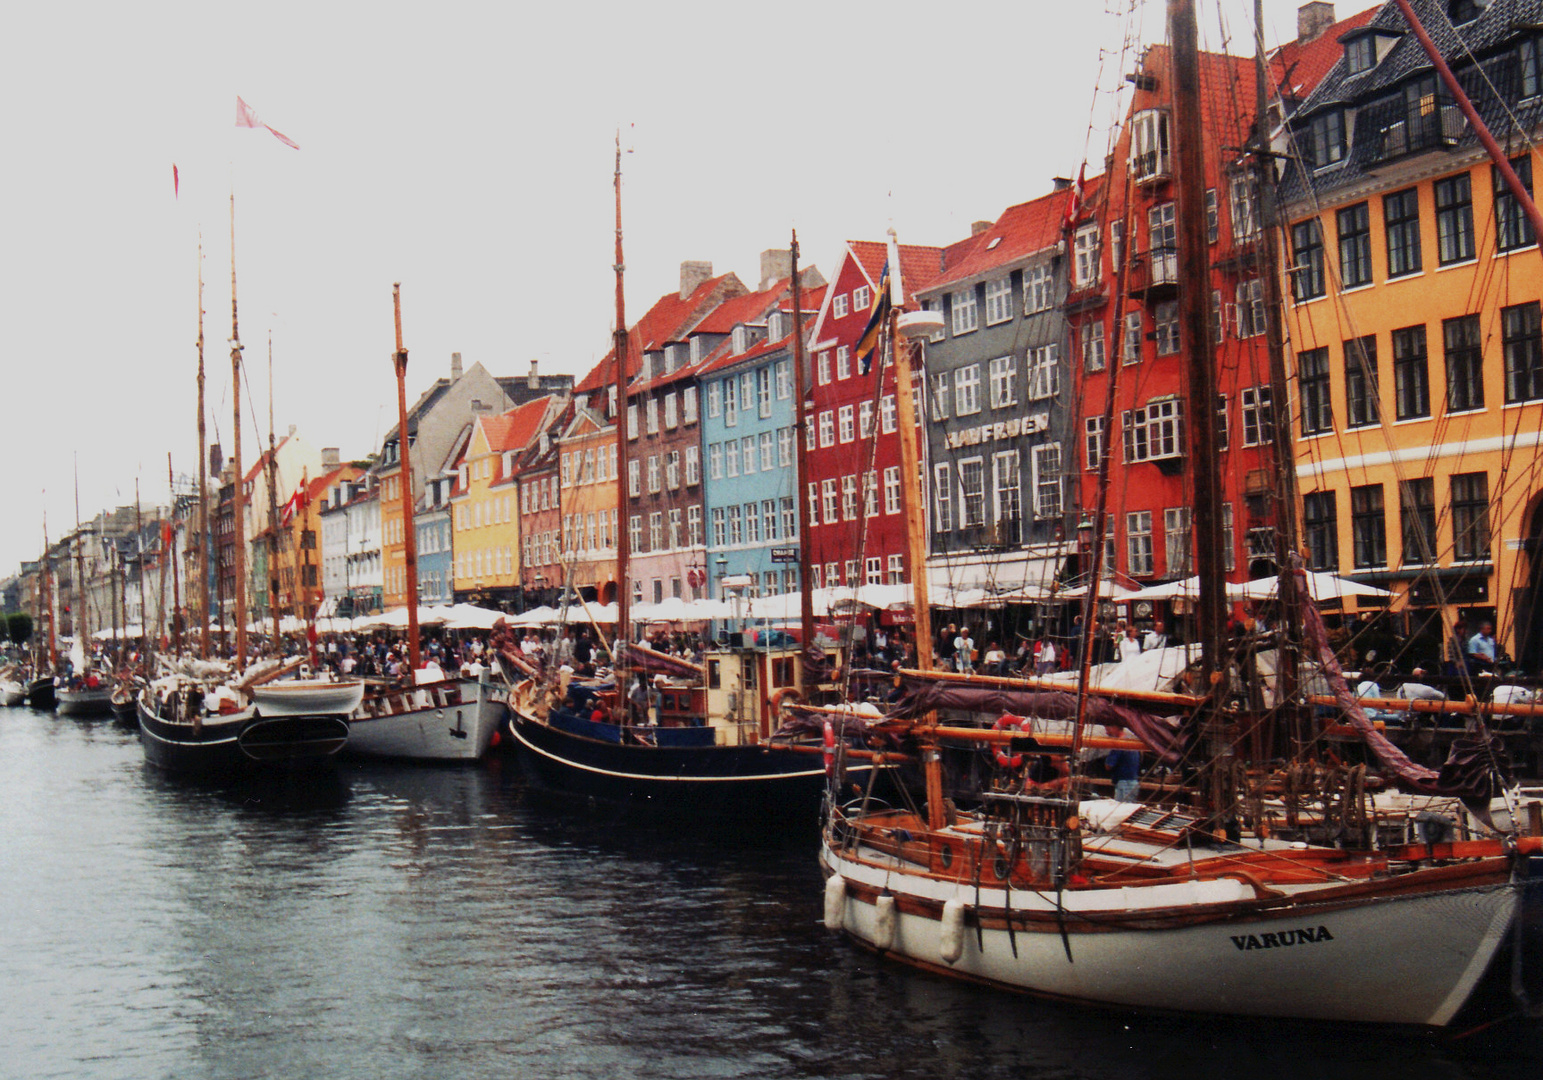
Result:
[238,495]
[1194,319]
[409,536]
[801,450]
[273,507]
[48,602]
[82,624]
[144,613]
[171,554]
[623,533]
[203,476]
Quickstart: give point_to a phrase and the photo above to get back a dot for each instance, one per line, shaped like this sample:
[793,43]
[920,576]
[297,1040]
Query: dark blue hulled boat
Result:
[180,734]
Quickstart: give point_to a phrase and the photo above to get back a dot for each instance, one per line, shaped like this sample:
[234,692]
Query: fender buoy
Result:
[885,922]
[830,749]
[835,902]
[1007,722]
[788,694]
[951,936]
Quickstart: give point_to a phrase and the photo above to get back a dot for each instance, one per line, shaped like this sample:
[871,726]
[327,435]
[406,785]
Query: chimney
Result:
[533,380]
[455,366]
[330,458]
[1313,18]
[693,274]
[216,459]
[1060,183]
[776,264]
[978,227]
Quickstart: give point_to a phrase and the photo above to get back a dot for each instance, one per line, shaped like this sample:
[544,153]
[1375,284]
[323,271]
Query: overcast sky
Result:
[465,150]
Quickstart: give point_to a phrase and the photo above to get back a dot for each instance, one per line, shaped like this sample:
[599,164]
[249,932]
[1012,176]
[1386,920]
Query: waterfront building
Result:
[582,494]
[1414,319]
[542,573]
[997,402]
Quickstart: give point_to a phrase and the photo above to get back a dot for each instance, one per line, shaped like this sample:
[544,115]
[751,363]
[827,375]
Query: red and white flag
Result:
[245,117]
[1074,204]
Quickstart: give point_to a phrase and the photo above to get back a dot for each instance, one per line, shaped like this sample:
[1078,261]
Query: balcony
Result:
[1007,533]
[1153,275]
[1402,132]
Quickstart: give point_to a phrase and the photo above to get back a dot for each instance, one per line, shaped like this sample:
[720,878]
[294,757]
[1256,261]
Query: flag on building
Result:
[878,315]
[295,504]
[1074,203]
[245,117]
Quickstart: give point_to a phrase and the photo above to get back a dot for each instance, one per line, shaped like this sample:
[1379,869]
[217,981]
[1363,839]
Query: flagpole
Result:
[238,494]
[203,474]
[273,513]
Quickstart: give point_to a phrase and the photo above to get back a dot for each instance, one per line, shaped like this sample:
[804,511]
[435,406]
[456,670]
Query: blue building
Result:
[748,455]
[436,559]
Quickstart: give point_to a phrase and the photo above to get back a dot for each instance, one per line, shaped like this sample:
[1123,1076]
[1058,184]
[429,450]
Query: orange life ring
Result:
[830,749]
[787,693]
[1006,722]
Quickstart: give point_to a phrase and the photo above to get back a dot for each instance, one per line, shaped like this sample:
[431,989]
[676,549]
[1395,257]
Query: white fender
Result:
[835,903]
[886,918]
[951,938]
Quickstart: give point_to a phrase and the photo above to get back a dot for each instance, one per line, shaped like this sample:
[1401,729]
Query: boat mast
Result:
[238,495]
[801,451]
[1194,318]
[623,530]
[410,555]
[144,613]
[171,536]
[203,476]
[82,624]
[48,601]
[273,507]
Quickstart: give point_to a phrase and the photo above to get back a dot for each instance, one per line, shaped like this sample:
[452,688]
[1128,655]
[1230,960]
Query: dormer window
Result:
[646,370]
[1461,11]
[1326,138]
[741,339]
[1360,54]
[696,349]
[774,329]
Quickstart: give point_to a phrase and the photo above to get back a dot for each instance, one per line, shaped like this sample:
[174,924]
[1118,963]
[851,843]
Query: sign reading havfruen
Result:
[1002,429]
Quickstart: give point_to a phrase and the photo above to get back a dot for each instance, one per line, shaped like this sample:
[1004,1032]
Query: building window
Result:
[1093,440]
[1165,318]
[846,423]
[789,517]
[943,498]
[1355,245]
[1093,358]
[828,499]
[972,493]
[763,381]
[714,399]
[864,419]
[896,570]
[1368,528]
[632,420]
[1360,54]
[693,466]
[1044,373]
[1149,144]
[1411,376]
[1321,531]
[1361,382]
[1470,516]
[784,369]
[1131,353]
[843,362]
[656,530]
[736,525]
[715,461]
[1176,540]
[870,494]
[999,300]
[671,410]
[1401,221]
[747,451]
[1258,415]
[672,470]
[1244,204]
[1004,374]
[674,523]
[1528,57]
[1251,311]
[1307,281]
[752,524]
[892,489]
[1326,138]
[966,317]
[653,474]
[1417,513]
[1038,289]
[940,396]
[634,488]
[1313,379]
[849,497]
[1153,432]
[827,428]
[814,503]
[730,402]
[888,419]
[1085,256]
[1007,490]
[652,407]
[1521,337]
[822,375]
[967,390]
[1463,341]
[1454,219]
[1212,216]
[1513,229]
[784,446]
[1138,543]
[1047,480]
[1163,238]
[838,306]
[731,458]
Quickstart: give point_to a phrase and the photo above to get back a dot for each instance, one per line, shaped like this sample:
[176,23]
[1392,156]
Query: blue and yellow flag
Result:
[878,316]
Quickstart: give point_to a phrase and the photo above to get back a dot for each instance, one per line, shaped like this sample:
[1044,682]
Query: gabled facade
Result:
[997,403]
[301,570]
[1414,312]
[568,514]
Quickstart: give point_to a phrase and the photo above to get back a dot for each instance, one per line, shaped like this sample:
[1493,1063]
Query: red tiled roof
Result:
[1297,67]
[515,429]
[919,266]
[810,298]
[262,461]
[1021,230]
[667,320]
[749,308]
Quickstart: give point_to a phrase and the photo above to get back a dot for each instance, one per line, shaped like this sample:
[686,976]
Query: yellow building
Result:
[485,506]
[1415,340]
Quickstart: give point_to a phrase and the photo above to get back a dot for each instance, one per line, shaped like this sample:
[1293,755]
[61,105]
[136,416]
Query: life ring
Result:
[1008,722]
[830,749]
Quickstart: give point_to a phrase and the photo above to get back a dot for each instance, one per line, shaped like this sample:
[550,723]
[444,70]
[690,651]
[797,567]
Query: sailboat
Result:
[709,758]
[86,692]
[1221,892]
[436,718]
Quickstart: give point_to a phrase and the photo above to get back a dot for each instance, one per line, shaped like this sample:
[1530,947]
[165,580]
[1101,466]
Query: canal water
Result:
[436,923]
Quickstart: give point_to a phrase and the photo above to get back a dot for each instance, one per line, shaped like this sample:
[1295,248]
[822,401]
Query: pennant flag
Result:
[878,316]
[1074,204]
[295,504]
[245,117]
[176,183]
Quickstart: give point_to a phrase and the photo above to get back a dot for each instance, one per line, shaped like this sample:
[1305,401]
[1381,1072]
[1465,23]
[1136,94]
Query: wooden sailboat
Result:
[1218,895]
[40,687]
[86,692]
[435,718]
[200,720]
[707,761]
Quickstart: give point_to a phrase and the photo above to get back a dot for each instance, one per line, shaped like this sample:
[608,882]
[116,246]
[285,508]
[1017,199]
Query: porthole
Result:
[946,856]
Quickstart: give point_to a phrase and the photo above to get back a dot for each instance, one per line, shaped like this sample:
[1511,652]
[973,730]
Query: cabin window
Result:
[714,675]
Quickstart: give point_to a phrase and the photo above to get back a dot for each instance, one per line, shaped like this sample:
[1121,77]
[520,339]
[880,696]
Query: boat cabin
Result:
[747,685]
